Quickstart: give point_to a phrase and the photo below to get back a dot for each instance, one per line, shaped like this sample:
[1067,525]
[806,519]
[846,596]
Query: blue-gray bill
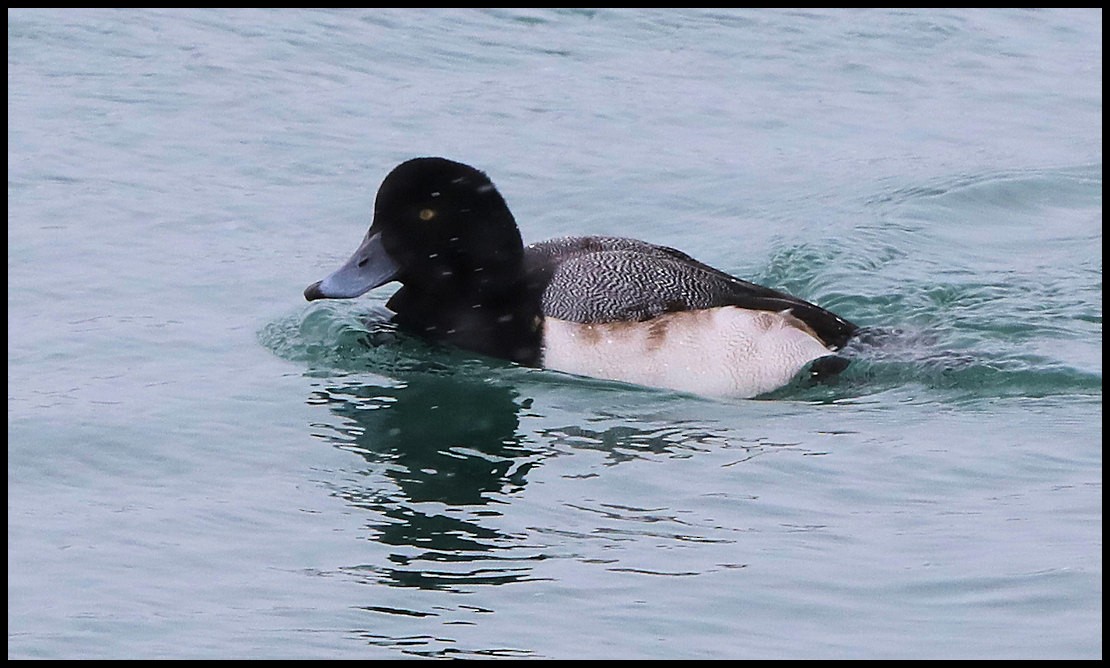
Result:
[369,267]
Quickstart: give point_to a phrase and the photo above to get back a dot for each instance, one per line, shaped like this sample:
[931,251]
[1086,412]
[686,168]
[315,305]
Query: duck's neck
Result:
[495,316]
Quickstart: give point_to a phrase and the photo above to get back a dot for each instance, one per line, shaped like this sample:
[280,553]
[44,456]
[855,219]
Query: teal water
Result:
[202,465]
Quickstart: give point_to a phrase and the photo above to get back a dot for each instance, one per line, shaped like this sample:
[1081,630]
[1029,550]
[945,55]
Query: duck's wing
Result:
[604,279]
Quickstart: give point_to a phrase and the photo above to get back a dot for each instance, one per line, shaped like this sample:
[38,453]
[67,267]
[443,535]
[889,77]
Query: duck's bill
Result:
[368,268]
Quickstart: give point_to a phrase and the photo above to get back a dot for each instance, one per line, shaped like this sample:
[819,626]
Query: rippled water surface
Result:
[202,465]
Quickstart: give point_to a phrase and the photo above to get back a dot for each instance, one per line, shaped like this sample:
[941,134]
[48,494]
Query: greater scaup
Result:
[606,307]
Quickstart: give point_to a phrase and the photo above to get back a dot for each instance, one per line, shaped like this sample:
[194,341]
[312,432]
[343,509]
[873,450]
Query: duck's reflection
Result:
[446,459]
[446,456]
[444,452]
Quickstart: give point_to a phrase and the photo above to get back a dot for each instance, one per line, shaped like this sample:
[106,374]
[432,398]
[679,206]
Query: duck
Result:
[606,307]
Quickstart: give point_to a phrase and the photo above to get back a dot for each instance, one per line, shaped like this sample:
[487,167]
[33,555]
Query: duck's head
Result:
[438,224]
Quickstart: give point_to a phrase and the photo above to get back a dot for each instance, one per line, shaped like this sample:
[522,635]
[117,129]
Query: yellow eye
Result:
[427,214]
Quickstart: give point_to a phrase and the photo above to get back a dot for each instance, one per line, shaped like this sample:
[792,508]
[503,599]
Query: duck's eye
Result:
[427,214]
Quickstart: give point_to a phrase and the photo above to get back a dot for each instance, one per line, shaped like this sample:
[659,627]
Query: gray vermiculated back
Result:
[602,279]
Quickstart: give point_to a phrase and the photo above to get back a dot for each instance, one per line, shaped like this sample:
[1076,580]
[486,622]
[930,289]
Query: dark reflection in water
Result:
[445,454]
[453,441]
[450,450]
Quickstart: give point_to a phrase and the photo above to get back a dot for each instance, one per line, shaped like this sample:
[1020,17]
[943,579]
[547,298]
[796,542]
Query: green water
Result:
[202,465]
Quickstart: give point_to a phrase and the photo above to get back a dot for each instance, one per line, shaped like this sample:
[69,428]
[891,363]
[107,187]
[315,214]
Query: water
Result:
[201,465]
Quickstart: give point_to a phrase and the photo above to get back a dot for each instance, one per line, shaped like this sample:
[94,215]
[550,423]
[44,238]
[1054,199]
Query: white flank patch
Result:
[727,351]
